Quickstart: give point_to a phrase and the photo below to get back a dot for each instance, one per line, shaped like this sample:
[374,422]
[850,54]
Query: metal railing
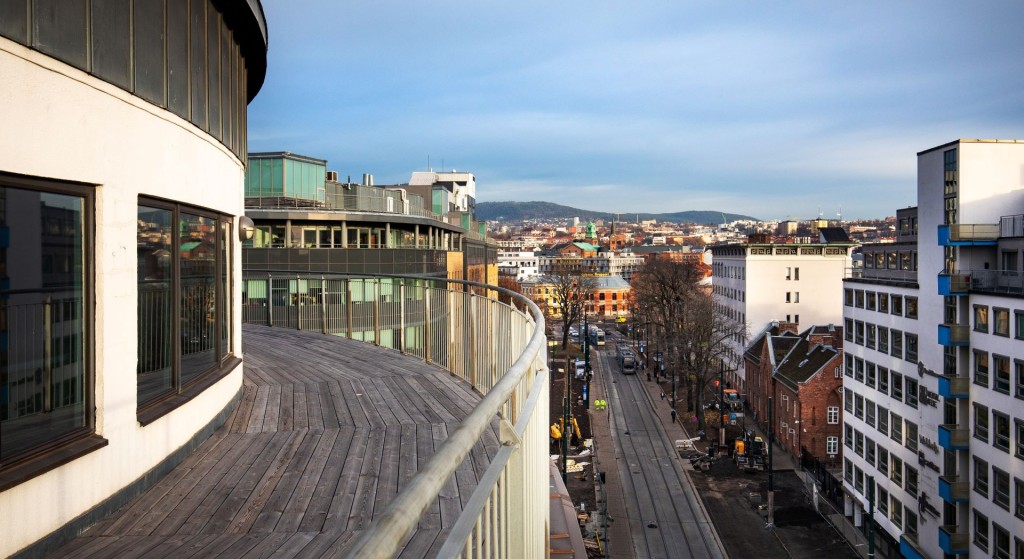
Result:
[973,232]
[882,274]
[492,346]
[997,281]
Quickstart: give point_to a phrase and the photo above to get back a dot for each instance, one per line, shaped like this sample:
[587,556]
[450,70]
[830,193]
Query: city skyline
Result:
[766,110]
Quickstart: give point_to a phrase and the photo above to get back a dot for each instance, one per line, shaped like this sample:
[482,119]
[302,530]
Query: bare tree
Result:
[511,284]
[571,293]
[668,295]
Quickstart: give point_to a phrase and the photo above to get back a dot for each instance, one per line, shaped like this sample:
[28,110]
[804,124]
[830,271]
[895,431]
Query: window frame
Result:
[51,453]
[226,358]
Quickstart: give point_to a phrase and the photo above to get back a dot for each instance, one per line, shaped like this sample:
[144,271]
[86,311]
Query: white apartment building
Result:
[521,265]
[623,264]
[934,428]
[757,282]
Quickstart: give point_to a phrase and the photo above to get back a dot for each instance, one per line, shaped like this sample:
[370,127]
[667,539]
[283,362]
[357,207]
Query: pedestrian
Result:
[673,416]
[663,395]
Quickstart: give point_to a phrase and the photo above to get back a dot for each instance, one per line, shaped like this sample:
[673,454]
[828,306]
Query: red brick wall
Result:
[816,396]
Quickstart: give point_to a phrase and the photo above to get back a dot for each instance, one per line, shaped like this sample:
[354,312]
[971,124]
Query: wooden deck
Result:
[326,434]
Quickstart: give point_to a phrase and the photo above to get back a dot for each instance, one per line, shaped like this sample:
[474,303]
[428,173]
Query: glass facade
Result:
[45,372]
[285,177]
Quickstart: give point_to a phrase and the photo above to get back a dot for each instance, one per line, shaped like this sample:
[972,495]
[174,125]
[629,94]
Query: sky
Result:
[770,109]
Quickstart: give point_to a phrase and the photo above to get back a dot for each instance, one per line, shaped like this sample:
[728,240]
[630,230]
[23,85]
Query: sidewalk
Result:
[610,519]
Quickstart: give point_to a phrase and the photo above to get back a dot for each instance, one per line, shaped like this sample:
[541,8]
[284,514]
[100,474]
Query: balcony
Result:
[954,387]
[954,284]
[953,542]
[952,437]
[954,335]
[1009,282]
[963,234]
[952,490]
[909,550]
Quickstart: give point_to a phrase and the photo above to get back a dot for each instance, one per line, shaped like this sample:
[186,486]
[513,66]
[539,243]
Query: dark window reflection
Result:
[42,320]
[155,234]
[198,261]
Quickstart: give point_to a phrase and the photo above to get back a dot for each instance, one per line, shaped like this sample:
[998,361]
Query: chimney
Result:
[367,179]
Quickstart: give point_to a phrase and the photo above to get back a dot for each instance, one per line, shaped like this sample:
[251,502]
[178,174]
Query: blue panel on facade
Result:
[946,492]
[946,389]
[943,235]
[908,550]
[946,440]
[946,543]
[946,337]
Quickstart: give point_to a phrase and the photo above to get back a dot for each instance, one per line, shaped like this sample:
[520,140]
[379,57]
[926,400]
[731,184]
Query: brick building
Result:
[803,374]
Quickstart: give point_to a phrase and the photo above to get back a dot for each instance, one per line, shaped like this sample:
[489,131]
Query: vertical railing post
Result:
[427,317]
[270,300]
[298,303]
[472,352]
[376,311]
[48,354]
[401,317]
[348,307]
[323,305]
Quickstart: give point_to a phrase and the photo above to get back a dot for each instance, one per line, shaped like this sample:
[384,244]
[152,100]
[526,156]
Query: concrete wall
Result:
[61,123]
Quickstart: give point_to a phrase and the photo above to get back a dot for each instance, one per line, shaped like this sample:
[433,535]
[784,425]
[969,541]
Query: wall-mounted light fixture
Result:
[246,228]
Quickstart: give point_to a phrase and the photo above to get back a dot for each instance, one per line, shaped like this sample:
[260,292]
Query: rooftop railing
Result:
[494,347]
[882,274]
[1010,282]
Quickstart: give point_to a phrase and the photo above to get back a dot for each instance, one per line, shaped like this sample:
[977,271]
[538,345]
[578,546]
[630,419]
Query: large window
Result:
[184,283]
[45,321]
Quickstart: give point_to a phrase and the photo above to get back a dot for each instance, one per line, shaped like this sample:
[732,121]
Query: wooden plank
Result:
[387,478]
[344,494]
[274,507]
[314,410]
[273,416]
[316,470]
[259,410]
[287,422]
[369,476]
[320,504]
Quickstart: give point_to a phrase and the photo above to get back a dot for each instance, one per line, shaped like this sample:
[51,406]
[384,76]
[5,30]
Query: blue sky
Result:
[771,109]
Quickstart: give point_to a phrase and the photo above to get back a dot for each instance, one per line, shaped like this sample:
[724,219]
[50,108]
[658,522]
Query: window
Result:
[1001,321]
[1018,328]
[883,302]
[870,301]
[869,374]
[858,371]
[883,380]
[1000,542]
[896,346]
[833,415]
[910,479]
[858,336]
[45,400]
[882,501]
[981,422]
[870,449]
[796,296]
[910,530]
[848,400]
[883,339]
[896,472]
[981,368]
[883,461]
[911,388]
[896,305]
[1001,430]
[796,274]
[911,307]
[911,436]
[848,435]
[883,421]
[848,362]
[848,297]
[848,334]
[980,476]
[896,514]
[184,258]
[911,345]
[869,413]
[789,297]
[981,530]
[1018,373]
[896,423]
[858,299]
[1018,504]
[847,470]
[871,332]
[1001,488]
[832,445]
[897,386]
[981,318]
[1018,447]
[858,445]
[1001,364]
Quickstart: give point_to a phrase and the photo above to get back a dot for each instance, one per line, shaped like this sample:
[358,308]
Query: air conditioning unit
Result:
[332,176]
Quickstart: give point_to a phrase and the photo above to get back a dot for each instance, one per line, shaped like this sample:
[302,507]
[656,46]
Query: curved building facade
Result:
[121,179]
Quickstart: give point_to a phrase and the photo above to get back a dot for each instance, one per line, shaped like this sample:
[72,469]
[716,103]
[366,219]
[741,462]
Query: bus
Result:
[596,336]
[627,360]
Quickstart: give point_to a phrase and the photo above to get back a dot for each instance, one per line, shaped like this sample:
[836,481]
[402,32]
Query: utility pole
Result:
[771,480]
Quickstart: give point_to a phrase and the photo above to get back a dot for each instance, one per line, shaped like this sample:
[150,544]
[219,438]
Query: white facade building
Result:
[947,463]
[756,283]
[120,194]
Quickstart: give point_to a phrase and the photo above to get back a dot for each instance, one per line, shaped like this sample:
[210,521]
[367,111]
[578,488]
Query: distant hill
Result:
[518,211]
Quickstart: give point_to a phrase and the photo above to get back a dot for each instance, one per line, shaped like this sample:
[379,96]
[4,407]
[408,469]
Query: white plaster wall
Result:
[61,123]
[991,181]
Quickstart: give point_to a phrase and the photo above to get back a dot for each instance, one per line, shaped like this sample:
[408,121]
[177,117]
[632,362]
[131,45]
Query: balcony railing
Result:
[882,274]
[953,541]
[968,233]
[954,334]
[954,284]
[953,437]
[954,387]
[490,345]
[1010,282]
[953,490]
